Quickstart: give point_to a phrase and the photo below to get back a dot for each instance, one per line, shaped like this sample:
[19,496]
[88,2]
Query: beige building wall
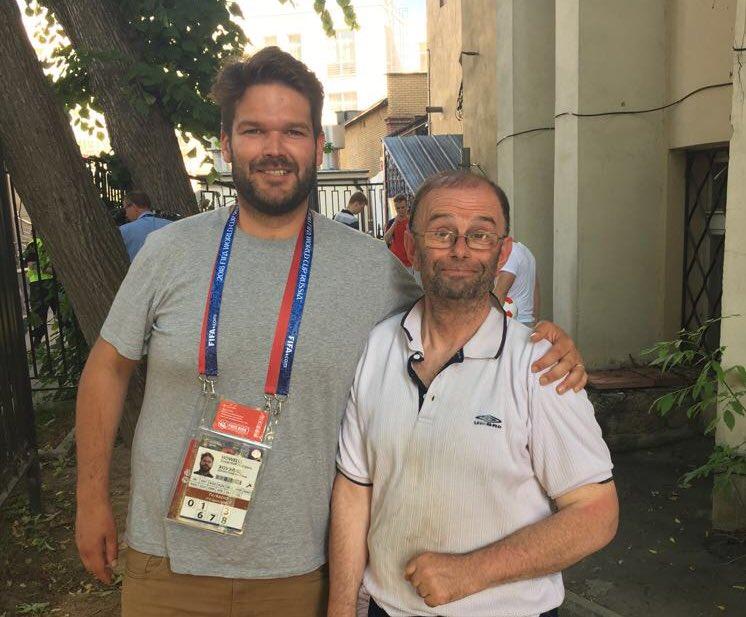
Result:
[699,40]
[524,101]
[576,190]
[479,30]
[728,510]
[363,142]
[444,48]
[609,176]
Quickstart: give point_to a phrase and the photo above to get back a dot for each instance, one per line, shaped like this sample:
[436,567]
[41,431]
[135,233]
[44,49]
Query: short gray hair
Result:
[458,178]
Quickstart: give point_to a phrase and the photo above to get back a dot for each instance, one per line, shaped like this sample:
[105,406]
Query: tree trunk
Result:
[57,190]
[146,142]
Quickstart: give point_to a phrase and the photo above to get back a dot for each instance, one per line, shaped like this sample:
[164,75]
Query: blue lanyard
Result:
[288,321]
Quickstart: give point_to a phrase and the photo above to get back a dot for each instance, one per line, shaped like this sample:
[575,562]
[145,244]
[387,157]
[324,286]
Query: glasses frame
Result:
[468,237]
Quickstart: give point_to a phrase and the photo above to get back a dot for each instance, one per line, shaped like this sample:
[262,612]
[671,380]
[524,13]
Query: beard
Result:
[476,287]
[260,200]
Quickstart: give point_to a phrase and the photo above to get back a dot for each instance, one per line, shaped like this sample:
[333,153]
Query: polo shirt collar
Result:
[144,214]
[488,341]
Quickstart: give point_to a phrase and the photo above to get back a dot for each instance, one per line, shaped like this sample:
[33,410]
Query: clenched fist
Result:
[440,578]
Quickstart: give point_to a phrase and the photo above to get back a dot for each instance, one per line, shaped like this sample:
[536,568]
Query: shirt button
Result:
[432,398]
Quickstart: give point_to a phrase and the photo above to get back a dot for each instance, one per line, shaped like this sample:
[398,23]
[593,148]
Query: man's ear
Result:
[409,248]
[225,146]
[505,250]
[320,142]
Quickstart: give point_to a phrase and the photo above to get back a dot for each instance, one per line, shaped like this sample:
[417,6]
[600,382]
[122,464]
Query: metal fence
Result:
[704,240]
[328,199]
[55,346]
[18,452]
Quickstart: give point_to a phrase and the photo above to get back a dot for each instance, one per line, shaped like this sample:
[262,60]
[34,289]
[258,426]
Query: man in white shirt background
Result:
[517,280]
[464,487]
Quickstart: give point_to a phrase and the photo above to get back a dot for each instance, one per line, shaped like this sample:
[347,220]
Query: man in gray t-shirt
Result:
[271,107]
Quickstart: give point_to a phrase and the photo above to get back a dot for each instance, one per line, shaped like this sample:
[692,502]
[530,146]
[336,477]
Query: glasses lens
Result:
[439,239]
[481,241]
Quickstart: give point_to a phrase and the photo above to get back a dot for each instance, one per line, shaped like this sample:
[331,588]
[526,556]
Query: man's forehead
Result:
[273,100]
[478,201]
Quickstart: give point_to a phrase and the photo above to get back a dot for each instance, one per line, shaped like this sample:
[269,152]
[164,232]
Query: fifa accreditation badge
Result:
[216,483]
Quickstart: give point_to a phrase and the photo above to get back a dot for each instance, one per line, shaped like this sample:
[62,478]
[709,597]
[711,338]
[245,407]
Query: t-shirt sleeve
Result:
[565,442]
[132,314]
[401,291]
[514,260]
[352,457]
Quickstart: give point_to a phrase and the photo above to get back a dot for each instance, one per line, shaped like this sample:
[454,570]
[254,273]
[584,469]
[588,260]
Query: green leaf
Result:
[729,419]
[192,153]
[235,10]
[665,403]
[84,112]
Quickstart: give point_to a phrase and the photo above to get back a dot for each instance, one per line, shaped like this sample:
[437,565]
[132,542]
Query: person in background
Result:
[349,215]
[517,280]
[395,228]
[42,287]
[141,221]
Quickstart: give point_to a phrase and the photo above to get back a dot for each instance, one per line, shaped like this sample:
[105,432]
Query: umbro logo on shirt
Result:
[488,420]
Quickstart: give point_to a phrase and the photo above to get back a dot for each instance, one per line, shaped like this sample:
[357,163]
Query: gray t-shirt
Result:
[158,310]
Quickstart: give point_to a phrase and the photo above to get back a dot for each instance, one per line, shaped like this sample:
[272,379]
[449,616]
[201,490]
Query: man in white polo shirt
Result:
[452,455]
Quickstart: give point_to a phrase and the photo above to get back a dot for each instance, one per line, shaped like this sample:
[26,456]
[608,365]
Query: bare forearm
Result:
[549,546]
[103,387]
[348,552]
[503,283]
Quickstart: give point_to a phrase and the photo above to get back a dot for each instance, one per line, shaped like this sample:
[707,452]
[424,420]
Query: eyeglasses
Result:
[476,240]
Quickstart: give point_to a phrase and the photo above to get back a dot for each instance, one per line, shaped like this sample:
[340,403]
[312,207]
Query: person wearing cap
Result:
[464,487]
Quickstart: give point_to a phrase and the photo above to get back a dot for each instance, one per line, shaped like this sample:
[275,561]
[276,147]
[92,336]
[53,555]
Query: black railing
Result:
[18,452]
[704,240]
[328,199]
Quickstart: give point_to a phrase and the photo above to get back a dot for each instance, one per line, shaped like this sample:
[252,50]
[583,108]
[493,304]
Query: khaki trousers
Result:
[151,589]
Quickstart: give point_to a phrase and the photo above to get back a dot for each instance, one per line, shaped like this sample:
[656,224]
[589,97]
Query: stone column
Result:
[610,176]
[729,510]
[524,100]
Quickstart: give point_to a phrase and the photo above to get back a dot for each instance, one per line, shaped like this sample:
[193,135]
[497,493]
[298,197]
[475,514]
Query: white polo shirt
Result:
[480,459]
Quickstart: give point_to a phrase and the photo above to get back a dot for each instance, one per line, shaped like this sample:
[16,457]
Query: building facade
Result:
[612,126]
[405,103]
[353,64]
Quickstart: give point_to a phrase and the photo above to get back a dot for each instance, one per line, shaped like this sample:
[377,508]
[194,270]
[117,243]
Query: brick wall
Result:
[363,148]
[407,94]
[406,98]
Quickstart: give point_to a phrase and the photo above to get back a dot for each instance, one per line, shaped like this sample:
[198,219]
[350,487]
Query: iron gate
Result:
[18,453]
[704,240]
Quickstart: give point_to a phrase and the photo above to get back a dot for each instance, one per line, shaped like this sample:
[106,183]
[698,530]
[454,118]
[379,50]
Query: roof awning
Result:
[418,157]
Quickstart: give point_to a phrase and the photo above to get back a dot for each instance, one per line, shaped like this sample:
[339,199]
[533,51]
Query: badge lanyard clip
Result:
[208,386]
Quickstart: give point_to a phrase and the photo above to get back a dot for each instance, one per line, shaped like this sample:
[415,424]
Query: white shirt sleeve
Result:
[515,259]
[352,456]
[565,442]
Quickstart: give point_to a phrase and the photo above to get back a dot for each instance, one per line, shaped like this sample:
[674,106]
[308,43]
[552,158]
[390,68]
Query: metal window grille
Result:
[704,240]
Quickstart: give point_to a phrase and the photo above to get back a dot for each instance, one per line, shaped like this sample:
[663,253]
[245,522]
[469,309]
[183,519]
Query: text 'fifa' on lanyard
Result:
[285,340]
